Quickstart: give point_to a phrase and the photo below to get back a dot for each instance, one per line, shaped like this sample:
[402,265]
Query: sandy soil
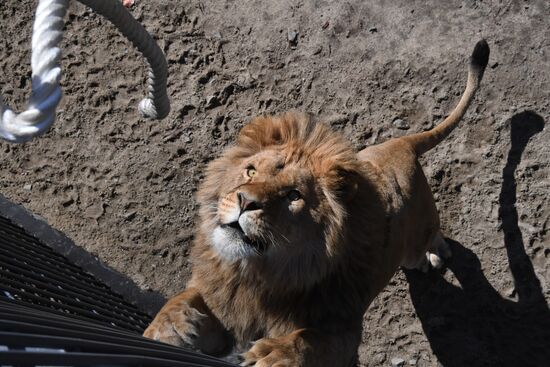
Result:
[122,187]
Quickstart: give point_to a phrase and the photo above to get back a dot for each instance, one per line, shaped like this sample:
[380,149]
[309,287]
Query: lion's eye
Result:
[251,172]
[294,195]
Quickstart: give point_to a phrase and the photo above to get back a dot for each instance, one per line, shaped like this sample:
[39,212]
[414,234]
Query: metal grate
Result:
[53,313]
[29,337]
[31,273]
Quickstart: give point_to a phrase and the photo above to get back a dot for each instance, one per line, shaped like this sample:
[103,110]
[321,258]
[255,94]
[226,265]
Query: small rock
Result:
[169,175]
[441,96]
[227,92]
[494,65]
[292,36]
[317,50]
[130,215]
[337,120]
[95,211]
[397,362]
[401,124]
[511,292]
[206,77]
[373,29]
[67,201]
[436,114]
[27,187]
[212,101]
[246,81]
[413,362]
[427,125]
[379,359]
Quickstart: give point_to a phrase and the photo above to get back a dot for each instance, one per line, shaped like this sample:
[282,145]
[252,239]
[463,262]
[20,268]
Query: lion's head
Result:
[277,201]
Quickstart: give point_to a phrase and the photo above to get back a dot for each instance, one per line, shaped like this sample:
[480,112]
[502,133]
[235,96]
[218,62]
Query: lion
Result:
[297,235]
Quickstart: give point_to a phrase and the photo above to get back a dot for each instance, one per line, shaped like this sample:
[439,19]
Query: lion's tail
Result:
[422,142]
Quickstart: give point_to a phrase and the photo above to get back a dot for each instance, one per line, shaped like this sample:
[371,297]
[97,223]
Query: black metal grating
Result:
[52,313]
[29,337]
[32,273]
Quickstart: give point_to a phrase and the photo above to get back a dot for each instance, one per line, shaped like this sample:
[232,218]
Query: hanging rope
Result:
[46,72]
[157,105]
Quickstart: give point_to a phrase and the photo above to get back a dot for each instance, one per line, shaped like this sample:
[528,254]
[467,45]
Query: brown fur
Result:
[316,260]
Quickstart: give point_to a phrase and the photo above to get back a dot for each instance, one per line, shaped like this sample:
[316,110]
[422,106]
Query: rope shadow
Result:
[470,324]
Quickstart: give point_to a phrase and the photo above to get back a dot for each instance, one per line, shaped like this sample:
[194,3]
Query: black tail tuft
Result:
[480,56]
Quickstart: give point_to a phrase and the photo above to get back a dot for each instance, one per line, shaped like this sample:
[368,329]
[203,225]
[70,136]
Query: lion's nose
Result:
[248,202]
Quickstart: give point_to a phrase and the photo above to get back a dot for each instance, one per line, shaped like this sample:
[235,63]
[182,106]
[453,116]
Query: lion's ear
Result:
[344,183]
[350,184]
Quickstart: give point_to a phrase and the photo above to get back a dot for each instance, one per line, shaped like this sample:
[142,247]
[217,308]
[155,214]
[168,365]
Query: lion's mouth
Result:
[236,227]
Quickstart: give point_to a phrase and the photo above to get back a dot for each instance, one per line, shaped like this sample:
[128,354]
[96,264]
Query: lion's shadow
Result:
[472,324]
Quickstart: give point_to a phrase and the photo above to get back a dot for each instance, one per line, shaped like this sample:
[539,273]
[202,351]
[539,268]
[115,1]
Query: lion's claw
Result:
[178,325]
[278,352]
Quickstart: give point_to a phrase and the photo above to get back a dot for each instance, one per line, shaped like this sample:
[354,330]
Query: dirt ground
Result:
[122,187]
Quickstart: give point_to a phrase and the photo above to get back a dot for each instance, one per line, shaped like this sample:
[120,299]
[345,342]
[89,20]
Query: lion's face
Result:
[270,208]
[278,207]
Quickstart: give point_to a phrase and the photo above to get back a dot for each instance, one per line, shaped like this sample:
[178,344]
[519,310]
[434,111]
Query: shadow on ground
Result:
[472,325]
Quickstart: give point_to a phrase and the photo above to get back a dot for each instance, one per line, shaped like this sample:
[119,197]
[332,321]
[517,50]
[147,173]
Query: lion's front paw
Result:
[278,352]
[177,324]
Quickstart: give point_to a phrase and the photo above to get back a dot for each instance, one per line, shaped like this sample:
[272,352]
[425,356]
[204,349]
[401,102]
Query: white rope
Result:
[157,104]
[46,73]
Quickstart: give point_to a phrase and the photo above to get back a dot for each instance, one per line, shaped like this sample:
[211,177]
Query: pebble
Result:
[427,125]
[401,124]
[27,187]
[317,50]
[373,29]
[95,211]
[212,101]
[379,359]
[292,36]
[412,362]
[511,292]
[130,215]
[68,201]
[397,362]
